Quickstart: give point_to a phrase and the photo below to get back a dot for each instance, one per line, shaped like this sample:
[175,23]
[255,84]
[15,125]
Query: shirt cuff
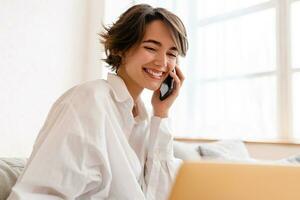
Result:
[161,138]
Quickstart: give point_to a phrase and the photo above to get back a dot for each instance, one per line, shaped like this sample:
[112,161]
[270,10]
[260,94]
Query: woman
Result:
[98,141]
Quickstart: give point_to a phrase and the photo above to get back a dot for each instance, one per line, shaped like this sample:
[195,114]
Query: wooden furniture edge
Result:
[258,141]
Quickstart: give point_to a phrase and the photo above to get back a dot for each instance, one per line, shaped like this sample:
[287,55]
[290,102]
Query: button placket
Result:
[128,118]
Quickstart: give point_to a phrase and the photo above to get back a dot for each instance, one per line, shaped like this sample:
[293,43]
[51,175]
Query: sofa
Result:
[228,150]
[10,169]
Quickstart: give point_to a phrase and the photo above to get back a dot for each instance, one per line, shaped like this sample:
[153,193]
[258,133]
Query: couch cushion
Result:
[294,159]
[10,169]
[234,150]
[186,151]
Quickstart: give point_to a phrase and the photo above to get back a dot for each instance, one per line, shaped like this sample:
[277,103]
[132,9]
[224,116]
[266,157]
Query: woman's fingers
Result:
[179,73]
[177,82]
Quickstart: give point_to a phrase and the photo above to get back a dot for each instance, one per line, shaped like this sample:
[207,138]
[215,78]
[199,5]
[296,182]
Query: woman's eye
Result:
[172,55]
[150,48]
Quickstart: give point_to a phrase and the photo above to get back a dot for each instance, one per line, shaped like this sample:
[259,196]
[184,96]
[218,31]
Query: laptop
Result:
[236,181]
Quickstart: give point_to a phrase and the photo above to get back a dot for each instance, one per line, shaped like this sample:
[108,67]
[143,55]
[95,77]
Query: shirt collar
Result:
[122,94]
[119,88]
[142,111]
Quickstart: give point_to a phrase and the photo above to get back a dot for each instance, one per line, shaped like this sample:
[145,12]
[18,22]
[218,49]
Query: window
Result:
[235,77]
[242,71]
[295,27]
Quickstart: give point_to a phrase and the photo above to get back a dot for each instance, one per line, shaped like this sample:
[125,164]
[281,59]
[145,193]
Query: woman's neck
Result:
[133,88]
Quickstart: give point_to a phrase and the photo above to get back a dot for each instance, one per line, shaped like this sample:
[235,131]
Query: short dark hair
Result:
[129,30]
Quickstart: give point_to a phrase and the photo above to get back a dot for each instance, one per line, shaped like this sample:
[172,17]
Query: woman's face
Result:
[147,64]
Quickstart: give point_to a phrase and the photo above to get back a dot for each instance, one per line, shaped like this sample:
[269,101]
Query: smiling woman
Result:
[152,60]
[98,141]
[130,29]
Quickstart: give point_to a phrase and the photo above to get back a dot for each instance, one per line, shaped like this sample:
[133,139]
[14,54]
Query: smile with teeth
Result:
[154,73]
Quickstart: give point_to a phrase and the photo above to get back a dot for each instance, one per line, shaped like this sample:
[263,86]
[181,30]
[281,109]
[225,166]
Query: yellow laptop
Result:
[236,181]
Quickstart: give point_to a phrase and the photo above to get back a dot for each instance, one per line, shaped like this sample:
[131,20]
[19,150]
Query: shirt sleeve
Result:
[64,163]
[161,165]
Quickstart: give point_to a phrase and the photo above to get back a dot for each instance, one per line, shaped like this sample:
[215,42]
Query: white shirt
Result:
[91,147]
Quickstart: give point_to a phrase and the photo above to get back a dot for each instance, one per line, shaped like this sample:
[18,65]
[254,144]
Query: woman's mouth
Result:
[154,73]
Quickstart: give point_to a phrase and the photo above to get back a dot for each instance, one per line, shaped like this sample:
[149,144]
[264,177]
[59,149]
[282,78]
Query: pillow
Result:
[233,150]
[295,160]
[186,151]
[10,169]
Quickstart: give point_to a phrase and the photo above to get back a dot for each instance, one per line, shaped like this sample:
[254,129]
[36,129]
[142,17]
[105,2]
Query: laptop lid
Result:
[236,181]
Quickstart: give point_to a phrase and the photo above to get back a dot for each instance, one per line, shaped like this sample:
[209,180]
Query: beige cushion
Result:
[10,169]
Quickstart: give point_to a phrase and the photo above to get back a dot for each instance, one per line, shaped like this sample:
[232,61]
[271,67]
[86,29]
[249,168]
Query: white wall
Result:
[46,47]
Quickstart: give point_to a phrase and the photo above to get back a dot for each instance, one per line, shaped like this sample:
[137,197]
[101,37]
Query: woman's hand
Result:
[161,108]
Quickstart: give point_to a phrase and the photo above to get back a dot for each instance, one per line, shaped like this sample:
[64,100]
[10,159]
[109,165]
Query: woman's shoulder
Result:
[95,87]
[87,93]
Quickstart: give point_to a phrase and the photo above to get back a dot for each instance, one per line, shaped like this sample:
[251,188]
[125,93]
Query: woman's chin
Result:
[153,87]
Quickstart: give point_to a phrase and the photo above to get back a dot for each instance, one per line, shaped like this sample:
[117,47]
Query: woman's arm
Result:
[60,166]
[161,165]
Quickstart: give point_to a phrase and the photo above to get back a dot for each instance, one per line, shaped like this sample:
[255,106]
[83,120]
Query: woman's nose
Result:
[161,60]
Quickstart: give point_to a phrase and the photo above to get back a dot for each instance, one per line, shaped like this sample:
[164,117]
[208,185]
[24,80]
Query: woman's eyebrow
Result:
[153,41]
[158,44]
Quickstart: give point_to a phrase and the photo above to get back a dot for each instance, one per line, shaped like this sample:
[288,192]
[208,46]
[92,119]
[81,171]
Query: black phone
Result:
[166,87]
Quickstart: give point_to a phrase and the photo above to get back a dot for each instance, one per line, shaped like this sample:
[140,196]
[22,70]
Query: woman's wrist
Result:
[161,114]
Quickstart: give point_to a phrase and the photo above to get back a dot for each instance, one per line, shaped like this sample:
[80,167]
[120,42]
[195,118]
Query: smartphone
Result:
[166,87]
